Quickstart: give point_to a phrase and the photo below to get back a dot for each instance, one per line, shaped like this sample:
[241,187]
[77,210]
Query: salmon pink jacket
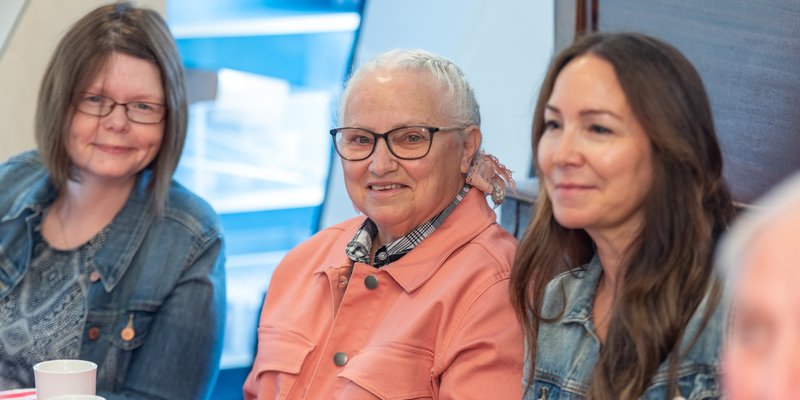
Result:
[435,324]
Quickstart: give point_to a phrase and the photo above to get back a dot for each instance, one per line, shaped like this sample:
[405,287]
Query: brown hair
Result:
[80,55]
[667,271]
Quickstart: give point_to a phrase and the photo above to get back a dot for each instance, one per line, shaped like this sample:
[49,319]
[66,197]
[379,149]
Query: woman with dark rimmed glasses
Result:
[411,299]
[103,257]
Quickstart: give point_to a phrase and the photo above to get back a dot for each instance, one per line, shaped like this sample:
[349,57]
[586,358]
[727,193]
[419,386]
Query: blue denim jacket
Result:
[568,349]
[164,275]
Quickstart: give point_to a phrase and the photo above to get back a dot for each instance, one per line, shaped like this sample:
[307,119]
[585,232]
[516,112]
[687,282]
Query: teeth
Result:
[385,187]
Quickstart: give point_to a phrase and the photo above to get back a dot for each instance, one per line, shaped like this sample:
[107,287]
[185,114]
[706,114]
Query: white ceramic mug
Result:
[61,377]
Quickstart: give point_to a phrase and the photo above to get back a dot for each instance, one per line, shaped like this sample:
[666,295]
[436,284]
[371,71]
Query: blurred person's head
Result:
[625,147]
[409,129]
[120,60]
[758,257]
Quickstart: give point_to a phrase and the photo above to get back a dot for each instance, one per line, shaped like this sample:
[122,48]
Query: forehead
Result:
[404,95]
[770,265]
[588,81]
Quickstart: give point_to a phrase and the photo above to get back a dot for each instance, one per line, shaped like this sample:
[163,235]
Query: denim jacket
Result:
[568,349]
[163,276]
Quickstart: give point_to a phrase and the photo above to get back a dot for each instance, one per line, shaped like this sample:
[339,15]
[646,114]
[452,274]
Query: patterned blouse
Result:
[43,317]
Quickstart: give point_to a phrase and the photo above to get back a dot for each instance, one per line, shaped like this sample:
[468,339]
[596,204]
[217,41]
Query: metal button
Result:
[93,333]
[128,333]
[382,256]
[340,359]
[94,276]
[371,282]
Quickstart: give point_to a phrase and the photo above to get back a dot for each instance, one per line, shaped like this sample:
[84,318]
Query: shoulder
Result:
[191,212]
[498,243]
[21,178]
[699,368]
[472,238]
[30,158]
[20,166]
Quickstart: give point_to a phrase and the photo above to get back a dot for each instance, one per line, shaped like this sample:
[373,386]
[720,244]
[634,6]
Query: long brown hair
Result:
[667,271]
[80,55]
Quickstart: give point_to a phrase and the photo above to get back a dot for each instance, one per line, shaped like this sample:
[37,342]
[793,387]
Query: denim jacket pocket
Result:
[391,372]
[280,358]
[120,333]
[546,390]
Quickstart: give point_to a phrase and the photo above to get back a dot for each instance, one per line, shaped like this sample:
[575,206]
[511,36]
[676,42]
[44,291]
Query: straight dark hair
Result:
[667,269]
[78,58]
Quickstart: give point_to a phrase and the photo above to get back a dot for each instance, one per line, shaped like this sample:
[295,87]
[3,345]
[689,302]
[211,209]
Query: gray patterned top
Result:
[43,316]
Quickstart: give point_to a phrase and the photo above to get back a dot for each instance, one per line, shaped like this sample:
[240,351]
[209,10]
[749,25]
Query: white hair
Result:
[783,199]
[459,98]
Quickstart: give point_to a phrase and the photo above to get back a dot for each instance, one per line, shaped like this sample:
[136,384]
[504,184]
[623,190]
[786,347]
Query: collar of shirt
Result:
[359,248]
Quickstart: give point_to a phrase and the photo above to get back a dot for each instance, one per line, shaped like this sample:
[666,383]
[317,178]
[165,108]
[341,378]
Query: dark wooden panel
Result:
[748,53]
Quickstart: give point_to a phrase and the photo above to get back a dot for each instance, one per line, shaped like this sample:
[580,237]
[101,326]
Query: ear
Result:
[471,145]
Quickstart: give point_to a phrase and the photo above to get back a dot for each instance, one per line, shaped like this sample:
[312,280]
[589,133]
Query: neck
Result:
[613,247]
[81,210]
[94,197]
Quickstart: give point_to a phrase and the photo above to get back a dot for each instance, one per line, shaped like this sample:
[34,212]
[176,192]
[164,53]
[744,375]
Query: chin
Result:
[570,221]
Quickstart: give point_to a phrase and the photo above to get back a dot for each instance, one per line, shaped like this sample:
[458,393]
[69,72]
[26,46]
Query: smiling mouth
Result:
[113,149]
[386,187]
[570,186]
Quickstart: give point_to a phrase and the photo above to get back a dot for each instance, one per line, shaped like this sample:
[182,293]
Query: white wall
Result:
[503,47]
[23,62]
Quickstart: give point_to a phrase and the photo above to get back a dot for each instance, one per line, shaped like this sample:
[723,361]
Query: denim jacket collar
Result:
[126,235]
[132,224]
[580,309]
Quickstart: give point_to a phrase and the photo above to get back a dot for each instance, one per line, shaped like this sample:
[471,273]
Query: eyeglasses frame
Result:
[114,105]
[433,130]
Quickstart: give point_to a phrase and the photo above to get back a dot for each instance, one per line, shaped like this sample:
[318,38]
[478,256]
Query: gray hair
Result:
[445,74]
[783,199]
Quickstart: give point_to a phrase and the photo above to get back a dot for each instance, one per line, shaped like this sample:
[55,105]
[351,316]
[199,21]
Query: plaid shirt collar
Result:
[359,248]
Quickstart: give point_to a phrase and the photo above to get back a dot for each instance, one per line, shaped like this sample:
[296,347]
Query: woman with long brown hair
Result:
[613,282]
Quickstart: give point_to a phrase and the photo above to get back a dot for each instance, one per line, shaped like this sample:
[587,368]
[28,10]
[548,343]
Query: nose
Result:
[566,149]
[117,119]
[382,160]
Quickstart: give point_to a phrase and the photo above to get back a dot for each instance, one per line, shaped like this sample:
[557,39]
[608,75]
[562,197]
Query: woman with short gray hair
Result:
[411,299]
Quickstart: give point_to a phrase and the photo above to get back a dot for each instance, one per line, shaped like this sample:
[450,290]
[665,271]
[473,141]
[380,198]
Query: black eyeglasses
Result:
[405,142]
[136,111]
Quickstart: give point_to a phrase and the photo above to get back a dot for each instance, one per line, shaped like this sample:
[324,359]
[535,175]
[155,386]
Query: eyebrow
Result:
[587,112]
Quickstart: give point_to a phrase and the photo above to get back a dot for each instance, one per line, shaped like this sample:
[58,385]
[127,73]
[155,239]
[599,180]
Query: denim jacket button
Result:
[93,333]
[127,334]
[94,276]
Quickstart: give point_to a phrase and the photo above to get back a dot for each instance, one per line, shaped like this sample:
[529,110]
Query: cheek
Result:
[740,373]
[543,155]
[154,138]
[630,169]
[351,174]
[81,130]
